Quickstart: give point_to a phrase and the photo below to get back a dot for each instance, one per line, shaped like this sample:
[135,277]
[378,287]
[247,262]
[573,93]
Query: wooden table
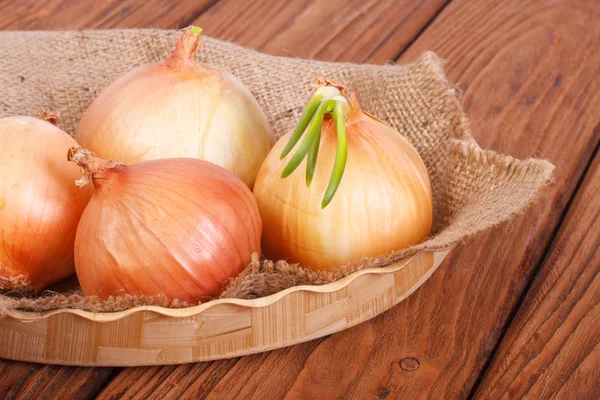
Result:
[514,313]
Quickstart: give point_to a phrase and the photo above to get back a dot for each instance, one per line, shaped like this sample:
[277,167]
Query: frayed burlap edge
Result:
[54,301]
[18,284]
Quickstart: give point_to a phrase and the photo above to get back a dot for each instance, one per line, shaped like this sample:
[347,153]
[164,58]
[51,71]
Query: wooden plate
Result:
[218,329]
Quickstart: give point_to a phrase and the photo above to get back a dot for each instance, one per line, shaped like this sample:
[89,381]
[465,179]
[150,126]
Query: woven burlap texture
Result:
[473,189]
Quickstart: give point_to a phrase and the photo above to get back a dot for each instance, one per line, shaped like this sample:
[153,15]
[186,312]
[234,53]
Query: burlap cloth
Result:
[473,189]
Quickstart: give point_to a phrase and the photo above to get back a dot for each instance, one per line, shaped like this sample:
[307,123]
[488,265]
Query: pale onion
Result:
[382,204]
[178,228]
[179,108]
[39,205]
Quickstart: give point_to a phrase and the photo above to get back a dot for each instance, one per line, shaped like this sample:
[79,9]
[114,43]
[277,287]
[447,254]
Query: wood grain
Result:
[200,380]
[34,381]
[552,348]
[92,14]
[358,31]
[170,382]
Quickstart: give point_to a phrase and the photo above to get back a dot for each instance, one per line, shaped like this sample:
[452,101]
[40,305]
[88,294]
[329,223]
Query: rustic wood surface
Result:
[530,73]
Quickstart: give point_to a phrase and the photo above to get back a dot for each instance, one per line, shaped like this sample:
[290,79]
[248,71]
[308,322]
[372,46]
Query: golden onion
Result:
[178,228]
[40,206]
[179,108]
[319,220]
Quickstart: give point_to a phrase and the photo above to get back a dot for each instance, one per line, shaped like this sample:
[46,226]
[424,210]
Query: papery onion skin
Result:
[383,204]
[39,205]
[179,108]
[178,228]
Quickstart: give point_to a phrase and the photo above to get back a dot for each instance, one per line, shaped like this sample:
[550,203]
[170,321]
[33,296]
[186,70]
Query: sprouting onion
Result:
[364,192]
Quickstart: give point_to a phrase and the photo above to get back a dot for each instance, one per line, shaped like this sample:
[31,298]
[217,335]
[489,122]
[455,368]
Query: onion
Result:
[39,206]
[179,108]
[178,228]
[382,204]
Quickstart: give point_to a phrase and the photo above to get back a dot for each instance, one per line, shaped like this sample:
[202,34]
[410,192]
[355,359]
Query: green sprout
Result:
[326,100]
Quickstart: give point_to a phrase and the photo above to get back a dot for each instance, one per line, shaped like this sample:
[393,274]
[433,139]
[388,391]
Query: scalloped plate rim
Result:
[26,316]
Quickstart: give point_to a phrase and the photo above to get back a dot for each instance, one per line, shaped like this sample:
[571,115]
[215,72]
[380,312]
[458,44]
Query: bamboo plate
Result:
[215,330]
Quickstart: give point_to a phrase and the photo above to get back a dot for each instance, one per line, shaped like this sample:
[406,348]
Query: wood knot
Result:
[409,364]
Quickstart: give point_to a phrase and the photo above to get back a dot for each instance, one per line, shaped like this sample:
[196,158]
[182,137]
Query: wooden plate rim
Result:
[250,303]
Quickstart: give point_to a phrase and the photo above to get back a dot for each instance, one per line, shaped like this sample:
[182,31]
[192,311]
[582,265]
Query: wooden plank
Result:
[92,14]
[166,382]
[552,349]
[23,380]
[354,30]
[199,380]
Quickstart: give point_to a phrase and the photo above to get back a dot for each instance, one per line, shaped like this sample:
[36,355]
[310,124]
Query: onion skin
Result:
[179,108]
[39,205]
[383,203]
[178,228]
